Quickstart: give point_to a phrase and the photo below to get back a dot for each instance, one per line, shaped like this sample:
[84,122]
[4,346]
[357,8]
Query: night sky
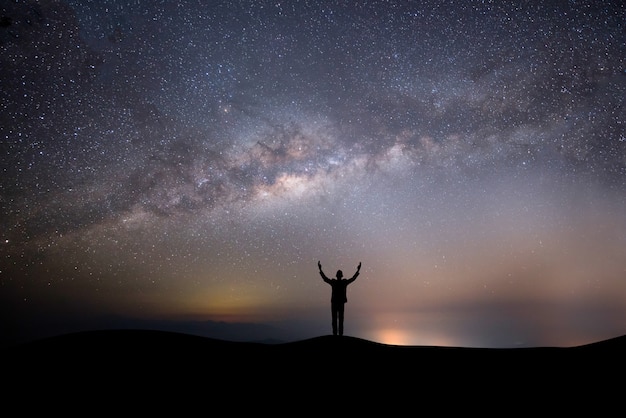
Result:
[193,160]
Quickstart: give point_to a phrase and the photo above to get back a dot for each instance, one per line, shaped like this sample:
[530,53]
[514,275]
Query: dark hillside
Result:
[95,363]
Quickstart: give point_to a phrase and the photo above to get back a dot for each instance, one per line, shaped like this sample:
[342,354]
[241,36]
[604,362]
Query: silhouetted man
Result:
[339,296]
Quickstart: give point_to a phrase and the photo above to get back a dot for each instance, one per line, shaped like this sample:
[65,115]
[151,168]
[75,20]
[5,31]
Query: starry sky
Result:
[190,162]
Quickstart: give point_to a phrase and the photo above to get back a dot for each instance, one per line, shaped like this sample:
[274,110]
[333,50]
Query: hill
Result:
[127,361]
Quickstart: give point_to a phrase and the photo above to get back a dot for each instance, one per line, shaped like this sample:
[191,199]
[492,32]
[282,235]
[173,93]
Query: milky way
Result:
[194,160]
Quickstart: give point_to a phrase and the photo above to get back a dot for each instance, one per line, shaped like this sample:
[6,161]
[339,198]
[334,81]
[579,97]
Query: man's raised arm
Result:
[358,270]
[319,265]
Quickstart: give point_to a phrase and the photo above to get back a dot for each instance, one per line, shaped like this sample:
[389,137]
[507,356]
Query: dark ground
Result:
[144,371]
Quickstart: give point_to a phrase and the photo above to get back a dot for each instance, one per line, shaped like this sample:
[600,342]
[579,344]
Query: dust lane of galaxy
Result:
[192,161]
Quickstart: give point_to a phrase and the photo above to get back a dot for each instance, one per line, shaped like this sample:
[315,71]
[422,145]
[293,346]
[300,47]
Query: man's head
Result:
[339,274]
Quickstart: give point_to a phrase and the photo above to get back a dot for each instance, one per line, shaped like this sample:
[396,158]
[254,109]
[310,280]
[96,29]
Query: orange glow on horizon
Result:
[410,337]
[391,336]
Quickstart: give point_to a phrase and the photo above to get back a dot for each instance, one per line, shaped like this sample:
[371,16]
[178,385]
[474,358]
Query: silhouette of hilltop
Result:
[99,364]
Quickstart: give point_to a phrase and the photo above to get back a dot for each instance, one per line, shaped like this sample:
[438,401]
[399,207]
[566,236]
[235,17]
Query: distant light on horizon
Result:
[391,336]
[407,337]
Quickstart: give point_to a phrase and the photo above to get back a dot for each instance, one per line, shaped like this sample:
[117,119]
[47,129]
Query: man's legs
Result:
[333,309]
[340,317]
